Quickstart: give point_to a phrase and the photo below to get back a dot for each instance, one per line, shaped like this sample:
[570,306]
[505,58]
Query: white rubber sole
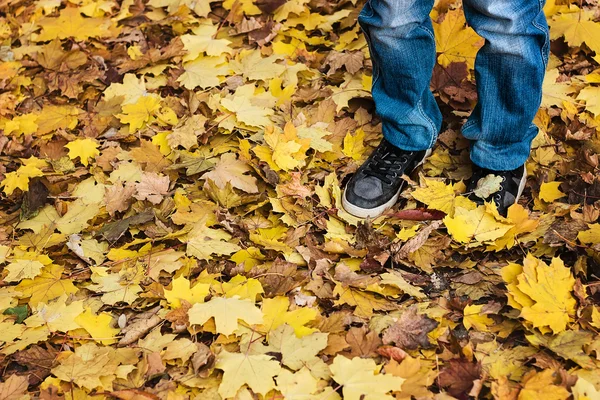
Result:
[377,211]
[522,184]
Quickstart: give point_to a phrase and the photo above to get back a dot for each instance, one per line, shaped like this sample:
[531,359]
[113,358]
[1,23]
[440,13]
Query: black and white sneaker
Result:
[511,187]
[376,185]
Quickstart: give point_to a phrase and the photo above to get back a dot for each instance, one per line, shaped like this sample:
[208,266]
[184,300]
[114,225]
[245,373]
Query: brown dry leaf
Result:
[410,331]
[363,343]
[152,187]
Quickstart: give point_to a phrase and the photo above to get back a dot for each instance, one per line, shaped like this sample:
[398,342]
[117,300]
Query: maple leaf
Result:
[47,286]
[256,371]
[129,91]
[591,94]
[202,42]
[540,385]
[231,170]
[181,289]
[437,195]
[20,178]
[359,378]
[203,241]
[544,293]
[23,269]
[303,385]
[454,41]
[550,192]
[240,103]
[365,302]
[70,24]
[242,287]
[139,113]
[410,331]
[98,326]
[353,144]
[477,224]
[84,149]
[296,352]
[86,367]
[226,313]
[275,312]
[57,315]
[152,187]
[577,27]
[14,387]
[253,66]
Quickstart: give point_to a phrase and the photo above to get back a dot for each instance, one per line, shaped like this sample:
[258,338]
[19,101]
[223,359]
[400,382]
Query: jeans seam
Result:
[543,51]
[433,130]
[375,70]
[431,34]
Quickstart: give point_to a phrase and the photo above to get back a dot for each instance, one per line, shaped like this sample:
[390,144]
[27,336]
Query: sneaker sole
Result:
[377,211]
[521,184]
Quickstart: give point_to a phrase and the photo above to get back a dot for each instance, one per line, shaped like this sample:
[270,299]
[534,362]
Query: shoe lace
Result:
[385,164]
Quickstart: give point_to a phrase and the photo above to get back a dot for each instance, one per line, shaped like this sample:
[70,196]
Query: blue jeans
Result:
[509,70]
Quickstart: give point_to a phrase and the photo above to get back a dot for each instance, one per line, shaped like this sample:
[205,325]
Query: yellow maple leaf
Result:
[549,191]
[577,27]
[303,385]
[56,315]
[87,366]
[288,149]
[181,289]
[70,24]
[23,269]
[19,179]
[548,288]
[478,225]
[360,378]
[204,72]
[256,371]
[140,113]
[540,385]
[21,125]
[53,117]
[77,216]
[130,90]
[474,318]
[591,235]
[240,103]
[242,287]
[276,313]
[202,41]
[253,66]
[365,302]
[353,144]
[518,216]
[591,96]
[98,326]
[297,352]
[203,242]
[226,313]
[454,41]
[230,169]
[84,149]
[436,194]
[47,286]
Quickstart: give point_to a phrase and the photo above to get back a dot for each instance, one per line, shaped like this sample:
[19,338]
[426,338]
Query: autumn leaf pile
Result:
[171,226]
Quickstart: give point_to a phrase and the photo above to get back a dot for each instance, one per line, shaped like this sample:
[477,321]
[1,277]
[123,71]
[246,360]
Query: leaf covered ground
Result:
[171,224]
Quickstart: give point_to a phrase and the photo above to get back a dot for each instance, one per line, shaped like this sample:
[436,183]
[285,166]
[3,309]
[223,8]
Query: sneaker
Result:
[511,187]
[376,185]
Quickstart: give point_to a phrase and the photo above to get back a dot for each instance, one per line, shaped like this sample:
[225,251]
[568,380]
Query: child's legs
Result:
[402,47]
[509,69]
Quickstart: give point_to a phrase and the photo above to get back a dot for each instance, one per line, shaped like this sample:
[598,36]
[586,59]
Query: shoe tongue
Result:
[369,188]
